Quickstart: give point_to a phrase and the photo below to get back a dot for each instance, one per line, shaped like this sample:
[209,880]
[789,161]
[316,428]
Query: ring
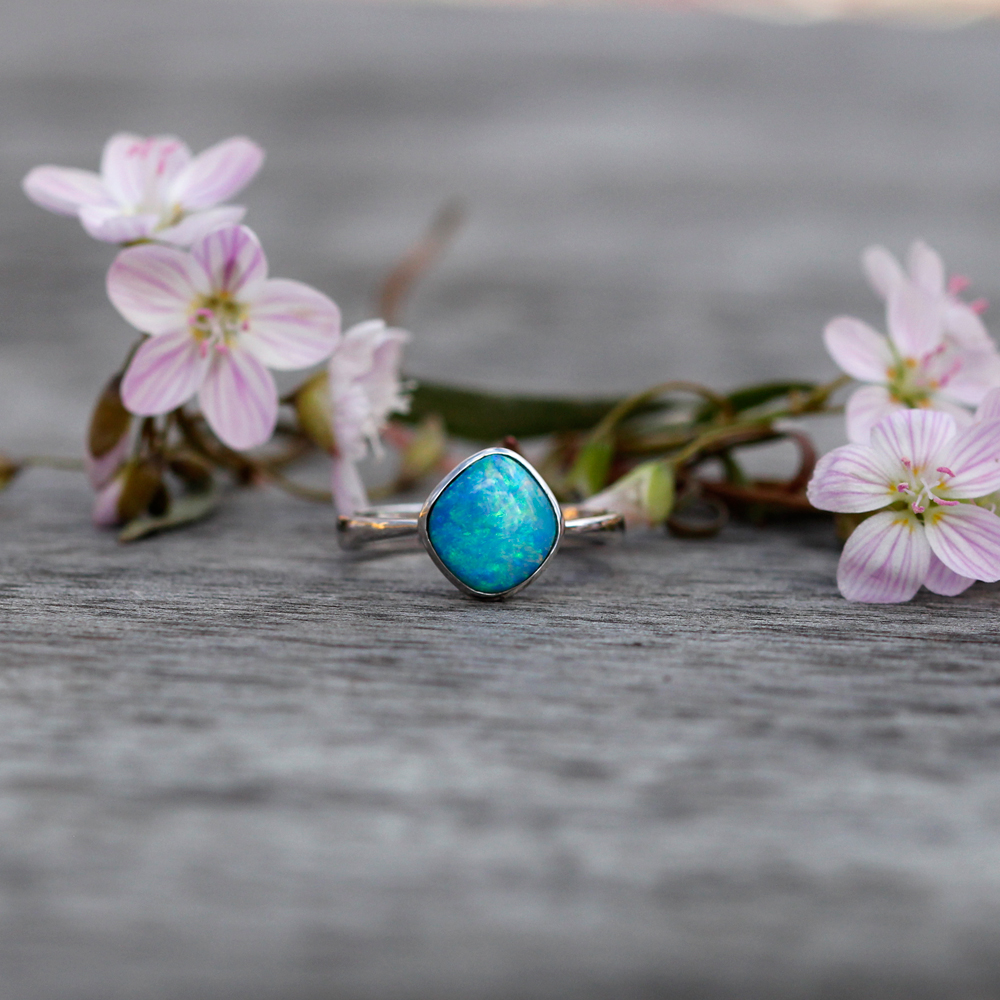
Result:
[491,525]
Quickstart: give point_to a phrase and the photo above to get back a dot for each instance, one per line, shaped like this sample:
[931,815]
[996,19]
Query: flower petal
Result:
[153,287]
[382,381]
[865,408]
[138,171]
[64,189]
[233,260]
[356,350]
[914,318]
[974,456]
[989,409]
[882,269]
[351,419]
[111,225]
[104,513]
[861,351]
[291,325]
[164,373]
[960,414]
[916,438]
[199,224]
[966,539]
[239,399]
[349,493]
[368,349]
[217,173]
[966,326]
[100,471]
[885,560]
[118,168]
[926,268]
[852,479]
[941,580]
[973,374]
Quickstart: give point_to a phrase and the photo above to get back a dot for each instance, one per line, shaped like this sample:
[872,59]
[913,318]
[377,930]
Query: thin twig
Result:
[401,279]
[296,489]
[52,462]
[630,404]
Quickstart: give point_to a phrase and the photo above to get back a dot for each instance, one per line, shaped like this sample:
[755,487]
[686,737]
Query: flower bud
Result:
[424,451]
[110,421]
[193,470]
[314,410]
[142,490]
[8,471]
[104,513]
[590,470]
[645,495]
[100,471]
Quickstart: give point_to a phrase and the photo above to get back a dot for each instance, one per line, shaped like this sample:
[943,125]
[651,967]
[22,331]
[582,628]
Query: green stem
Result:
[292,487]
[626,407]
[52,462]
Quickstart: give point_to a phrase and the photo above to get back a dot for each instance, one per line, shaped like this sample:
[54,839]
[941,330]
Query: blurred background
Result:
[654,191]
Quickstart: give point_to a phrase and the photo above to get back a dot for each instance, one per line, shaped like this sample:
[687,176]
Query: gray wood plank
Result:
[234,763]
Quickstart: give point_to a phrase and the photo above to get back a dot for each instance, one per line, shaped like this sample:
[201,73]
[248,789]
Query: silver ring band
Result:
[401,520]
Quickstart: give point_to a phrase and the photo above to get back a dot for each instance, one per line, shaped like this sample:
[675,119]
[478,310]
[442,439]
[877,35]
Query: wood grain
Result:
[234,763]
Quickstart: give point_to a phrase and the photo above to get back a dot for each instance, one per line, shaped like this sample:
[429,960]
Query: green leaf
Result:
[184,510]
[488,416]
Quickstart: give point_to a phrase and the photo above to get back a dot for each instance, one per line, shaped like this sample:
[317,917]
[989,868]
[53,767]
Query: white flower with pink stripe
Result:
[216,323]
[937,356]
[923,474]
[150,188]
[365,388]
[925,272]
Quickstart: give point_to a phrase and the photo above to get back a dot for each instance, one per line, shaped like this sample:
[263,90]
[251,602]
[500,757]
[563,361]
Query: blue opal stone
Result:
[493,525]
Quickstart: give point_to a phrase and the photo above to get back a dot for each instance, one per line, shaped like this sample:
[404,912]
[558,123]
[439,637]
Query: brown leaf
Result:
[184,510]
[143,485]
[110,421]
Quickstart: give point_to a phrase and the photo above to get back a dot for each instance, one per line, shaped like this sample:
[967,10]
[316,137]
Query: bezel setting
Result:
[423,534]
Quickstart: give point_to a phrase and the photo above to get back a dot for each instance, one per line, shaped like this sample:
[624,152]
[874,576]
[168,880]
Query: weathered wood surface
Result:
[235,764]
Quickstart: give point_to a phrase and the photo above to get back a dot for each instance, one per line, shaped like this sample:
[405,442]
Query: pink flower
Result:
[925,273]
[150,188]
[938,354]
[365,388]
[106,475]
[100,471]
[215,321]
[105,512]
[989,408]
[923,474]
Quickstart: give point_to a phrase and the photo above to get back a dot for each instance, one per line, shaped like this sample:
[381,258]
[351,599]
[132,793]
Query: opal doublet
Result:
[493,525]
